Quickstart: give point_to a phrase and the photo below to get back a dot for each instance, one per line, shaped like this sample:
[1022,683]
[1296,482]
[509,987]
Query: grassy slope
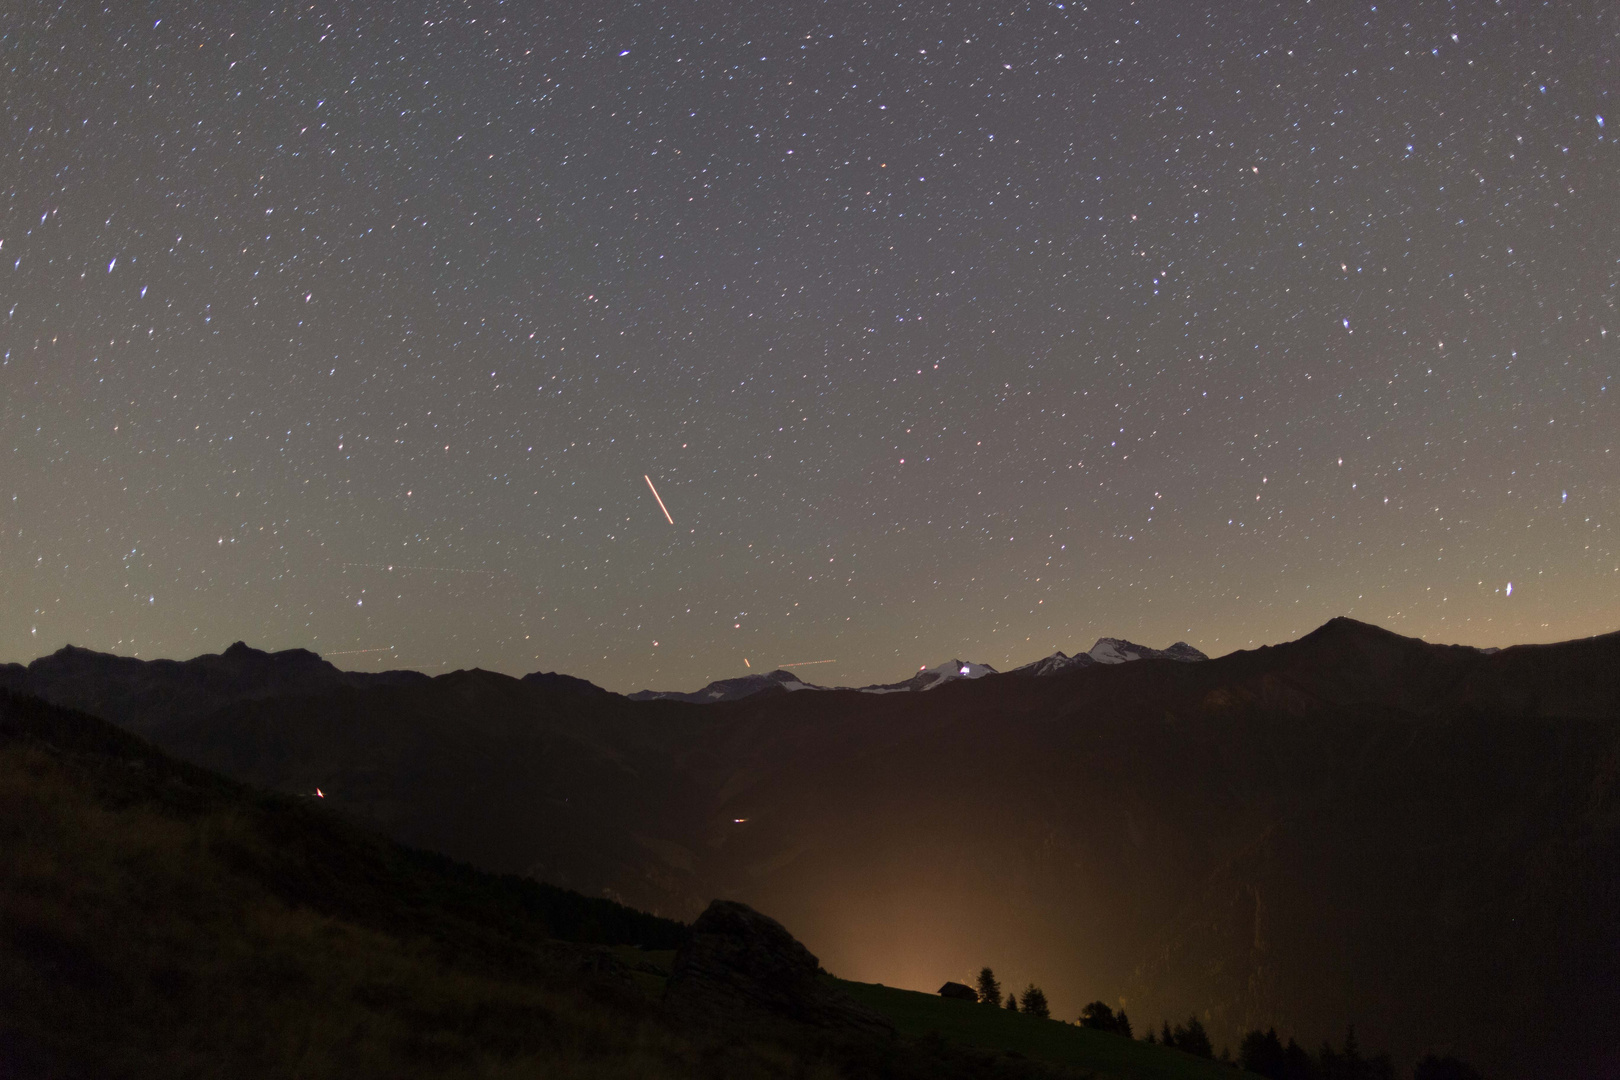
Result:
[968,1024]
[157,920]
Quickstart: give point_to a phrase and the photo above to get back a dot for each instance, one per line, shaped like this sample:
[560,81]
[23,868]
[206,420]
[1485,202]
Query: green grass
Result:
[967,1024]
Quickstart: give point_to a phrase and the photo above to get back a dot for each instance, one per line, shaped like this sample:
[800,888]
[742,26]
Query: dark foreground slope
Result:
[157,920]
[1350,828]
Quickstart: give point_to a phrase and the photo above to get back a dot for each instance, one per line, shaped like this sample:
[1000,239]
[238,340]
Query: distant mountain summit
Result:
[1105,651]
[1111,650]
[1051,665]
[564,685]
[144,694]
[730,689]
[931,678]
[780,680]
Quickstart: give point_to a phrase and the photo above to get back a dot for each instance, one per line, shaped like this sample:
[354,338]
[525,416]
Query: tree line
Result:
[1032,1001]
[1263,1052]
[1260,1052]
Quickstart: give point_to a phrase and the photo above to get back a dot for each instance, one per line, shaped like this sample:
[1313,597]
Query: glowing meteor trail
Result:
[807,663]
[411,566]
[661,505]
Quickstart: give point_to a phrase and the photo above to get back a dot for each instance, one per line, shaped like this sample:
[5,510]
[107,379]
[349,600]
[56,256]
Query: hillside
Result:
[1350,828]
[968,1024]
[161,920]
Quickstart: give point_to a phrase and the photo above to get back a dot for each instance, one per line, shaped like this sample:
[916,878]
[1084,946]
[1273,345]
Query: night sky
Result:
[943,330]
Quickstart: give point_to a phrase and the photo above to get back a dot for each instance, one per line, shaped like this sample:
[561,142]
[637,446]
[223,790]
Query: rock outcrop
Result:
[738,961]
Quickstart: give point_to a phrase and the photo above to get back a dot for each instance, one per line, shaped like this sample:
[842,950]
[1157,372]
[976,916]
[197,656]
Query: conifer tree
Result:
[1261,1052]
[1443,1068]
[1034,1002]
[1012,1001]
[1297,1060]
[1194,1039]
[1098,1016]
[989,988]
[1353,1066]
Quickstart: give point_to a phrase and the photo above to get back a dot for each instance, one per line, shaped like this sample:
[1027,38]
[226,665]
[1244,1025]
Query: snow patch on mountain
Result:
[1051,665]
[1105,651]
[930,678]
[731,689]
[1119,651]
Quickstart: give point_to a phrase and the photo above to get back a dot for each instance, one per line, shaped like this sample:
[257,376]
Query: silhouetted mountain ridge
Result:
[730,689]
[1421,839]
[141,694]
[1105,651]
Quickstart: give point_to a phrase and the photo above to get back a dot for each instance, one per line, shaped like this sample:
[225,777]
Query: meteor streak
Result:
[661,505]
[807,663]
[412,566]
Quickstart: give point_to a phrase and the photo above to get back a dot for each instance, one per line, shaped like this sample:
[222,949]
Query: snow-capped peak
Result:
[963,669]
[1106,651]
[1119,651]
[731,689]
[930,677]
[1051,665]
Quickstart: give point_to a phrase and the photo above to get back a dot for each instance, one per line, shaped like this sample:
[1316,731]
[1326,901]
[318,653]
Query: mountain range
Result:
[1354,827]
[1106,651]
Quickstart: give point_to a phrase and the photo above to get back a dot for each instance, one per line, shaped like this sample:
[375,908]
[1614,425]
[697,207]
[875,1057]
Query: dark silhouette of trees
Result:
[1194,1040]
[1012,1001]
[1348,1064]
[1033,1003]
[989,988]
[1297,1063]
[1262,1053]
[1430,1067]
[1099,1017]
[1189,1038]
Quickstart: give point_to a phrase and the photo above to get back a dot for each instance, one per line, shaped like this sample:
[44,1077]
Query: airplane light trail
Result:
[807,663]
[661,505]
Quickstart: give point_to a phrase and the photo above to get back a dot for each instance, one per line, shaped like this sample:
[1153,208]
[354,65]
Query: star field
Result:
[942,329]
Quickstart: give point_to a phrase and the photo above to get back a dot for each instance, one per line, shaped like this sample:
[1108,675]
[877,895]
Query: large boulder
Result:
[737,960]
